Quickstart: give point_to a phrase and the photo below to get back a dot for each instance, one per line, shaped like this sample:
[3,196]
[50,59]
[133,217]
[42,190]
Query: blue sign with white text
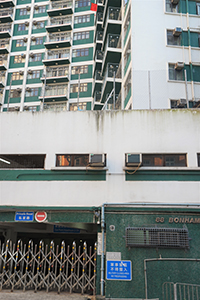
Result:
[118,270]
[24,216]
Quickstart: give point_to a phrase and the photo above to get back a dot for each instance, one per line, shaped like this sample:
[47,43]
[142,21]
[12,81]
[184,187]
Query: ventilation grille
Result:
[157,237]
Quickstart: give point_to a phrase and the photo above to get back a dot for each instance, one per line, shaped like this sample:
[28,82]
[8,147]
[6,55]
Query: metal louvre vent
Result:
[157,237]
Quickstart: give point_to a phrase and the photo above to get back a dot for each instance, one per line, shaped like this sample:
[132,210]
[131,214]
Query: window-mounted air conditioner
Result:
[28,89]
[23,55]
[28,8]
[31,54]
[19,90]
[36,7]
[97,160]
[25,39]
[177,31]
[34,22]
[181,103]
[179,66]
[30,72]
[133,159]
[16,108]
[174,2]
[33,38]
[26,23]
[21,72]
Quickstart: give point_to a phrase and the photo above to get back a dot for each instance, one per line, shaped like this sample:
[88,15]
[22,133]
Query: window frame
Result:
[21,27]
[82,52]
[80,19]
[82,3]
[72,160]
[174,74]
[163,160]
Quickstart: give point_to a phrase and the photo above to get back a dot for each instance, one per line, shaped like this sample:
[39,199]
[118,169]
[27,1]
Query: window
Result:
[15,93]
[80,52]
[32,92]
[72,160]
[36,57]
[171,7]
[172,39]
[82,19]
[164,160]
[20,43]
[21,161]
[23,12]
[21,27]
[35,74]
[153,237]
[16,76]
[19,59]
[30,108]
[37,41]
[76,106]
[81,35]
[81,69]
[175,74]
[198,8]
[39,25]
[198,159]
[40,10]
[74,88]
[82,3]
[181,103]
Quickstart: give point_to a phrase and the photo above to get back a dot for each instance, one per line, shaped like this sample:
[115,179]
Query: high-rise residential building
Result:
[61,55]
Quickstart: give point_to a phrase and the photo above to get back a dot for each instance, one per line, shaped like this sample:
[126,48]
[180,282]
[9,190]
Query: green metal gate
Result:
[48,267]
[180,291]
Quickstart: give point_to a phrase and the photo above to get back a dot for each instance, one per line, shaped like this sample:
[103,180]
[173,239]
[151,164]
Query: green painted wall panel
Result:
[80,9]
[14,82]
[88,106]
[127,64]
[39,15]
[85,41]
[12,100]
[22,32]
[20,2]
[35,47]
[18,17]
[196,73]
[192,7]
[184,38]
[81,25]
[83,94]
[40,30]
[34,80]
[46,175]
[12,65]
[84,58]
[194,39]
[84,76]
[127,98]
[36,63]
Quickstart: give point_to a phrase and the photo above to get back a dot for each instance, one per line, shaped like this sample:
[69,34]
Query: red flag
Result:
[93,7]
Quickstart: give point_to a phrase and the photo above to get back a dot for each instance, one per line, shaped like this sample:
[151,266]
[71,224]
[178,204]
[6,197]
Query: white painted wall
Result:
[113,133]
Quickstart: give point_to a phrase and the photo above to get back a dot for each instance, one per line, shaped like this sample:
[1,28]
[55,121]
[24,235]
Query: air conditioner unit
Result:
[34,22]
[26,23]
[36,7]
[30,72]
[97,160]
[31,54]
[21,72]
[182,103]
[174,2]
[28,89]
[179,66]
[133,159]
[18,90]
[25,39]
[28,8]
[25,107]
[23,55]
[16,108]
[177,31]
[33,38]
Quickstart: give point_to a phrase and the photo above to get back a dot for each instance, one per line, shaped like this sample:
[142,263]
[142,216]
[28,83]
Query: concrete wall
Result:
[113,133]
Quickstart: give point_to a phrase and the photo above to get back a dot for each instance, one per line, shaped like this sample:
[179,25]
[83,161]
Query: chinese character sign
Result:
[119,270]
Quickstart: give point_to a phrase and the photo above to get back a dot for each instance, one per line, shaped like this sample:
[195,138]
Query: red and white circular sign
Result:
[40,216]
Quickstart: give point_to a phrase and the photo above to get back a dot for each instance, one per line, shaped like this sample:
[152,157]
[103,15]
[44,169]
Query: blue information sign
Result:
[118,270]
[24,216]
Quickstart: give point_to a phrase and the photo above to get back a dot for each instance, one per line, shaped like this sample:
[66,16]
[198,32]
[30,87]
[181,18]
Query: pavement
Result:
[41,295]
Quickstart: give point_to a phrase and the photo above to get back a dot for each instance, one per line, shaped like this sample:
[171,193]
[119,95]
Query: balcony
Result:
[60,8]
[98,80]
[2,79]
[112,19]
[55,107]
[6,15]
[54,58]
[56,75]
[96,103]
[108,82]
[98,60]
[4,46]
[59,24]
[5,31]
[112,49]
[54,93]
[99,36]
[99,17]
[3,62]
[6,3]
[60,40]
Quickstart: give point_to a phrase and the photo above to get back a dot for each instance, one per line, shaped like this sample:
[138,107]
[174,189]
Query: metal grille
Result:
[157,237]
[180,291]
[48,267]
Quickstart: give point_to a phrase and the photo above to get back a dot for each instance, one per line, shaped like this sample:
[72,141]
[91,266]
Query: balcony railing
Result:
[6,12]
[99,17]
[110,101]
[55,72]
[4,28]
[55,90]
[2,77]
[60,4]
[99,55]
[55,107]
[3,60]
[57,54]
[114,41]
[4,43]
[97,96]
[59,21]
[114,13]
[99,36]
[100,1]
[98,75]
[109,73]
[58,37]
